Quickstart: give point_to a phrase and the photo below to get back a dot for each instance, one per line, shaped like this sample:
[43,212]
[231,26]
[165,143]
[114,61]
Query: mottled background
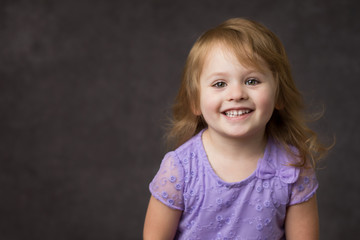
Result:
[85,92]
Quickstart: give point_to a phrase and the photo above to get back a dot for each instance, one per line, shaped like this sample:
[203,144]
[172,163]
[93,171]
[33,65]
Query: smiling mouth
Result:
[237,113]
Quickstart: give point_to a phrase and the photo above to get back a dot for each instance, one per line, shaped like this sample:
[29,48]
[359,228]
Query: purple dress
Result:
[253,208]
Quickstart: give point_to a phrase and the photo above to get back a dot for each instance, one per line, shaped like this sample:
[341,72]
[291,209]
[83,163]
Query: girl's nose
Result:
[237,92]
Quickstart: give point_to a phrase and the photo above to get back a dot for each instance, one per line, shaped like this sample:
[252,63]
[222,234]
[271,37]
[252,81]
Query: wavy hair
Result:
[253,44]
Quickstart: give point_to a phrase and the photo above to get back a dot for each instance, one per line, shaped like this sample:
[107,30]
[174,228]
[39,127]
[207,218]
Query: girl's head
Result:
[254,46]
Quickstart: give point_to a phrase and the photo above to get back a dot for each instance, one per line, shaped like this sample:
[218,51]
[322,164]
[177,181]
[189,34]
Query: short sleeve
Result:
[167,185]
[304,187]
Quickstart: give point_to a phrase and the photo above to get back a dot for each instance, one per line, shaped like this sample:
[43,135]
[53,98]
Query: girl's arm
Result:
[302,221]
[161,221]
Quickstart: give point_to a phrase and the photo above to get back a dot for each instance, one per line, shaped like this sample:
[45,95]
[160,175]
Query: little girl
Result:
[243,167]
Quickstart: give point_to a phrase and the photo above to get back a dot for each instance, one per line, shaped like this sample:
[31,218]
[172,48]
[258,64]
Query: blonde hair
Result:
[251,42]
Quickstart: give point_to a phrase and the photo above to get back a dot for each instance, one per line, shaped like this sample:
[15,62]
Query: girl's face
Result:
[236,101]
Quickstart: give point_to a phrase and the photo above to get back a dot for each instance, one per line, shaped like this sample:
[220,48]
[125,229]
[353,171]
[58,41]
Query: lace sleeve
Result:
[167,185]
[304,188]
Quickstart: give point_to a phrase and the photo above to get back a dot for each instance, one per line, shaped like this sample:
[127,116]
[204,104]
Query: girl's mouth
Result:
[237,113]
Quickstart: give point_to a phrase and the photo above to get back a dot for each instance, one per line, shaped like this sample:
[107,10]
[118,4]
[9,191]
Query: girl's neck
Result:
[235,149]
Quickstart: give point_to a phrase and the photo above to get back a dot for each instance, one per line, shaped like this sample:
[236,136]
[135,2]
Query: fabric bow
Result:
[287,174]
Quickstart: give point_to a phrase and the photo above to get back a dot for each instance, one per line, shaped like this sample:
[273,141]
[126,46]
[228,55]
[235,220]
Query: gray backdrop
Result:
[85,92]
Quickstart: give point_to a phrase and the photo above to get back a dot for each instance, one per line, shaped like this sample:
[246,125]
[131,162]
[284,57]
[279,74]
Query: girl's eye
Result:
[251,81]
[219,84]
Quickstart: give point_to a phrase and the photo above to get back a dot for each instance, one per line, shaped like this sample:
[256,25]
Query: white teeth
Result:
[236,113]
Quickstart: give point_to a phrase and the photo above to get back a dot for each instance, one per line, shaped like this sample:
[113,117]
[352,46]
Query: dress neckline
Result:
[206,161]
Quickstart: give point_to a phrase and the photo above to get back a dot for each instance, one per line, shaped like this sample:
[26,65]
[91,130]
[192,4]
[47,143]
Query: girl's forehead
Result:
[243,54]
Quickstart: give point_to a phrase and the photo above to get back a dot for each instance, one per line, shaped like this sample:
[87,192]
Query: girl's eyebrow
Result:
[215,75]
[218,74]
[224,74]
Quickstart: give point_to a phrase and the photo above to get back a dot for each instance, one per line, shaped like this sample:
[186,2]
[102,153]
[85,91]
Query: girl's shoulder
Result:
[282,154]
[174,174]
[193,148]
